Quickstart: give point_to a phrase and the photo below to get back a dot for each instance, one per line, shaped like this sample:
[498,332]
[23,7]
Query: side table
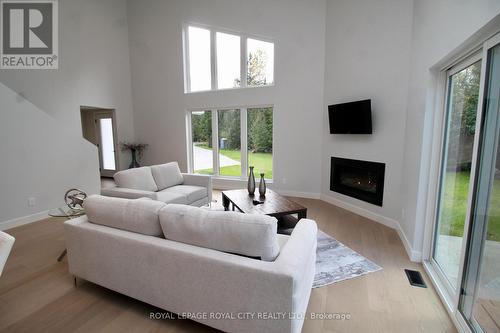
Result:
[67,213]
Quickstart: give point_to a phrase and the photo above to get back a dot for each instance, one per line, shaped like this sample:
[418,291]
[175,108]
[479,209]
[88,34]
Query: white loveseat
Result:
[163,182]
[6,243]
[181,259]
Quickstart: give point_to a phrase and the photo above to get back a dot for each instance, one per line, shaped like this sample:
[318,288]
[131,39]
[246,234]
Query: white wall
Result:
[160,105]
[439,27]
[43,152]
[94,68]
[40,159]
[367,57]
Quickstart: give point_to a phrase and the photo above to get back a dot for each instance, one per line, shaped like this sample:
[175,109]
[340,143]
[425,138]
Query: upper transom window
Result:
[220,60]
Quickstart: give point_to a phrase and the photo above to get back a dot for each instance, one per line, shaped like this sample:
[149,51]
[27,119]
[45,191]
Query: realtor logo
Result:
[29,37]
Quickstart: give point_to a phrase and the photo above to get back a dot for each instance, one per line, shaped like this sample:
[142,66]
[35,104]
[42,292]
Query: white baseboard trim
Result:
[5,225]
[361,211]
[415,256]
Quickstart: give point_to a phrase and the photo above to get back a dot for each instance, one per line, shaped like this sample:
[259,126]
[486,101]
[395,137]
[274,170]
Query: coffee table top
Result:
[274,204]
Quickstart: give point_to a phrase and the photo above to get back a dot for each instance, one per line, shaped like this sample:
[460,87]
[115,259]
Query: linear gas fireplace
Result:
[362,180]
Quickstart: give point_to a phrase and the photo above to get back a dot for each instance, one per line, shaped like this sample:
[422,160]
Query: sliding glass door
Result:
[465,256]
[480,299]
[462,96]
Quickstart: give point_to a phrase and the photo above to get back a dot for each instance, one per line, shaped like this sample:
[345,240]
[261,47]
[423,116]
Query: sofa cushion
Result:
[246,234]
[167,175]
[136,215]
[137,179]
[171,197]
[190,192]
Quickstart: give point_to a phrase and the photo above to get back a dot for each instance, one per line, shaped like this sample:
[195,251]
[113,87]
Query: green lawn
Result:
[455,205]
[262,162]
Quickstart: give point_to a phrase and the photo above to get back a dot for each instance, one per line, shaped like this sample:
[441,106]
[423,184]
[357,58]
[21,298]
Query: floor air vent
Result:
[415,278]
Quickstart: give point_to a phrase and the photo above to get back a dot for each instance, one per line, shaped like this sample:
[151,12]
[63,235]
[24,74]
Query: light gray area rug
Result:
[336,262]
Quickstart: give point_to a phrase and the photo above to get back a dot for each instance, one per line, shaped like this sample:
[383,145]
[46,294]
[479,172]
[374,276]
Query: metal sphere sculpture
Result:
[74,198]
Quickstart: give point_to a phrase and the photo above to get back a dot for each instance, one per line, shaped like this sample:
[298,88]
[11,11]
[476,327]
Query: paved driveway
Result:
[203,159]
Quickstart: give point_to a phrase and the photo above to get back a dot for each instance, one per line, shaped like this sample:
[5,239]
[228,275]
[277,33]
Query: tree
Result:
[256,74]
[462,116]
[229,128]
[464,100]
[202,127]
[261,130]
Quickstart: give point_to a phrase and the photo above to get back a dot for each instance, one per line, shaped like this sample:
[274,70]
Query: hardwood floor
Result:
[37,294]
[487,312]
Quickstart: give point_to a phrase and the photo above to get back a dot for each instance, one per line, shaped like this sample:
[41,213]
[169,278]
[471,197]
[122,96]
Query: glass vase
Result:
[251,182]
[262,186]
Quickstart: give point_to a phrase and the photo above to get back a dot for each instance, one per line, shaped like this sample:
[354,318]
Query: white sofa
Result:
[163,182]
[144,249]
[6,243]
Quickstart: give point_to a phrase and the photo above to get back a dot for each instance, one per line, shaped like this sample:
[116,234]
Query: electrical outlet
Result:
[283,180]
[31,202]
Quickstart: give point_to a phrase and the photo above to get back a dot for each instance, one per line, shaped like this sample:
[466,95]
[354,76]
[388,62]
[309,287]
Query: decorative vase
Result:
[134,163]
[251,182]
[262,186]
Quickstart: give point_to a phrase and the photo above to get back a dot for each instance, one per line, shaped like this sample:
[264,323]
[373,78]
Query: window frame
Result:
[449,293]
[432,152]
[213,54]
[457,67]
[215,139]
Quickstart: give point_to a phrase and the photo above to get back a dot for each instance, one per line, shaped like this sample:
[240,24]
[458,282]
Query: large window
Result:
[260,140]
[201,142]
[229,126]
[226,142]
[260,62]
[200,77]
[220,60]
[228,61]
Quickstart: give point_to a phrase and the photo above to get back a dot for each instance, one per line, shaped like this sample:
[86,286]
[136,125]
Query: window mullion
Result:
[189,136]
[243,60]
[213,57]
[215,142]
[244,143]
[187,71]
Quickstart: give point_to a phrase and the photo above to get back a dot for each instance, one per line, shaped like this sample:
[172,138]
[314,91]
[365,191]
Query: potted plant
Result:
[136,149]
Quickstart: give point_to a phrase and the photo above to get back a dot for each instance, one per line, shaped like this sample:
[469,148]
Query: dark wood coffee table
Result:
[273,205]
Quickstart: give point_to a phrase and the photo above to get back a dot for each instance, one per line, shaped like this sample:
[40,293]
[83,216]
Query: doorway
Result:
[464,255]
[99,128]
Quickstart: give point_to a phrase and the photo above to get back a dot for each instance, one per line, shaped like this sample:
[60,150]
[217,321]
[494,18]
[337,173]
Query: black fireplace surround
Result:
[362,180]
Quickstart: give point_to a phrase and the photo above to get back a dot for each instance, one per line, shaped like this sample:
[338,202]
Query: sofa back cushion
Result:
[137,179]
[167,175]
[136,215]
[245,234]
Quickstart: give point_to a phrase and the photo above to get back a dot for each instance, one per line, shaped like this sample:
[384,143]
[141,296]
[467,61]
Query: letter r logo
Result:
[27,27]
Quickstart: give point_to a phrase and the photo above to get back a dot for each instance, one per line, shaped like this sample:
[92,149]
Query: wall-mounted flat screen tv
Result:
[351,118]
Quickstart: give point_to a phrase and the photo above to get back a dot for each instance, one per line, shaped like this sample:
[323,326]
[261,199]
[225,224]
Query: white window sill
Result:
[239,179]
[227,89]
